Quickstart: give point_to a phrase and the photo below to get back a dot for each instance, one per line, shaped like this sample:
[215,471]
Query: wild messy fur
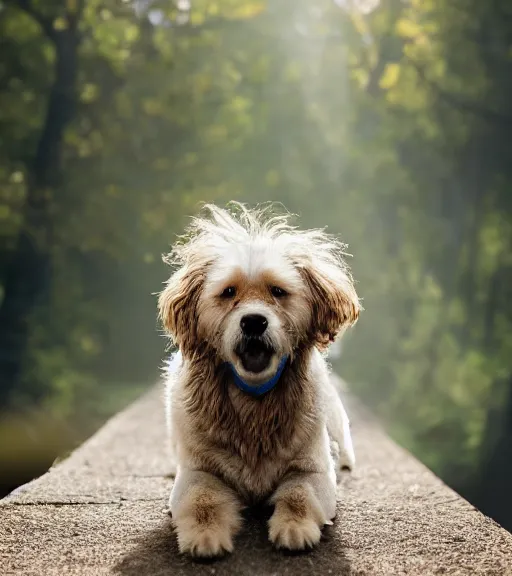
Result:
[231,447]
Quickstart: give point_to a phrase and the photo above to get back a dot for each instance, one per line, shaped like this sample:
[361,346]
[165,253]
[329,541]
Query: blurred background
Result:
[387,121]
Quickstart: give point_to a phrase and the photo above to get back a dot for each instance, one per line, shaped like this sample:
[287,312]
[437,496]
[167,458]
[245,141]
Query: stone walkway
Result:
[102,511]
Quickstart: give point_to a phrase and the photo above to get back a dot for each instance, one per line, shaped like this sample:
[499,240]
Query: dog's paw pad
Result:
[293,533]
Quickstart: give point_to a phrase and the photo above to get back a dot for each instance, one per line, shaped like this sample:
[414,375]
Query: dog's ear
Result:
[177,305]
[334,302]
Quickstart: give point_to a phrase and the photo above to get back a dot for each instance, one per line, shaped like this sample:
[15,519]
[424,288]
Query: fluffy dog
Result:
[254,417]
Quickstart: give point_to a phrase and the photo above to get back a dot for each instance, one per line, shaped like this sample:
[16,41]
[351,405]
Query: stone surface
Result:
[103,511]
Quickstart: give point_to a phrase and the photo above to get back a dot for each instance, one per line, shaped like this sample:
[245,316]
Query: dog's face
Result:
[254,290]
[253,308]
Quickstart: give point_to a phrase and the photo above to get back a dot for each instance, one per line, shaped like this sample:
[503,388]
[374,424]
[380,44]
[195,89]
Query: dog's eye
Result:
[278,292]
[228,292]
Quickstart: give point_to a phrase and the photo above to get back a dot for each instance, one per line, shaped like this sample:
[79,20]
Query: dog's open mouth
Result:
[254,354]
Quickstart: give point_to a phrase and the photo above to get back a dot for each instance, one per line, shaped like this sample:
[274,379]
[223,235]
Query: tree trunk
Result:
[27,280]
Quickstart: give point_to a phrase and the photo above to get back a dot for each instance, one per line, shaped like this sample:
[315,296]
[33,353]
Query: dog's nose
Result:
[253,324]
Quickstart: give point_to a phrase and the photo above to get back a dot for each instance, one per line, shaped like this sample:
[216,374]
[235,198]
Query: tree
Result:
[28,270]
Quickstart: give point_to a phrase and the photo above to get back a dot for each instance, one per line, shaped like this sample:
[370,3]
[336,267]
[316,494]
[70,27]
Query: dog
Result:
[253,305]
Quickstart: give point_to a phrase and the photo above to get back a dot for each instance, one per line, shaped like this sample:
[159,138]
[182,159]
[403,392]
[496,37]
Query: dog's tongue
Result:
[255,360]
[255,357]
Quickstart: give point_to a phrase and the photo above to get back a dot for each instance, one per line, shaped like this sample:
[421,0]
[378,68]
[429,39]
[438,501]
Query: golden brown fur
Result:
[234,449]
[257,430]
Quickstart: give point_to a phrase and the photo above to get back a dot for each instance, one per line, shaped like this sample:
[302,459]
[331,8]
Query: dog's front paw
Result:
[293,533]
[297,520]
[204,541]
[207,525]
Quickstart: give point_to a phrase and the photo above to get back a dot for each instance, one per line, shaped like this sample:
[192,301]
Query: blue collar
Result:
[261,388]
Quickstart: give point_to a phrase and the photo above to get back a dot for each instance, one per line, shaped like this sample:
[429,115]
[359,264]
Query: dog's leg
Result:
[205,513]
[338,426]
[304,503]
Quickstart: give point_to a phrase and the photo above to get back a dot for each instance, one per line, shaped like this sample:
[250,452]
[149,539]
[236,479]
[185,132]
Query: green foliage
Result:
[387,126]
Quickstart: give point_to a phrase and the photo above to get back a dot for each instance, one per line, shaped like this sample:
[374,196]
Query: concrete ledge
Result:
[102,511]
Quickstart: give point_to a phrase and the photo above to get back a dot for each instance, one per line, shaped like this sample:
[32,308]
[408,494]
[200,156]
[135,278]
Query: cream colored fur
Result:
[232,449]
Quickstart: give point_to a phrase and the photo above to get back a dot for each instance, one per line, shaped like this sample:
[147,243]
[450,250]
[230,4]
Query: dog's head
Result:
[253,289]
